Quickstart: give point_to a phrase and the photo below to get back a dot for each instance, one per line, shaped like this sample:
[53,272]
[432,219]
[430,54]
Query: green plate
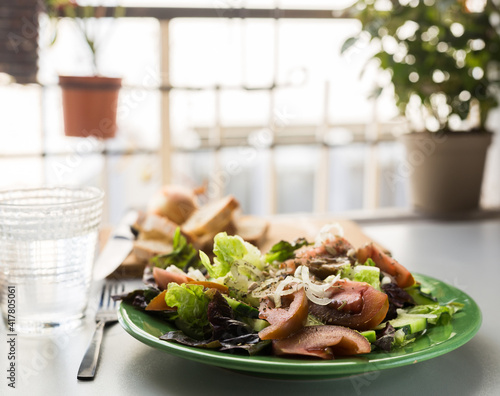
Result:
[437,341]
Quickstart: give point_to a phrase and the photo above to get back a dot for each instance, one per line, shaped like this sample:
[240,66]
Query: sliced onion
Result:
[276,288]
[317,293]
[196,274]
[177,270]
[318,300]
[302,272]
[329,232]
[280,290]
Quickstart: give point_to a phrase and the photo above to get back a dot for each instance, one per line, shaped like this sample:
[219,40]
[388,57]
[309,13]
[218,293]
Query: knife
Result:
[116,249]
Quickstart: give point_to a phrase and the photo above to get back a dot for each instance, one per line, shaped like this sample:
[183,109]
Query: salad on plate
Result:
[316,300]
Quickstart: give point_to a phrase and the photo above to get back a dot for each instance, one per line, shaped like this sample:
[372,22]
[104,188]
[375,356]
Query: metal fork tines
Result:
[106,314]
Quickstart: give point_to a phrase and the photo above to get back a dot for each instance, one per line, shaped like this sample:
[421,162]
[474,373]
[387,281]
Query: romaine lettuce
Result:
[228,250]
[191,303]
[441,313]
[284,250]
[370,262]
[368,274]
[182,256]
[237,264]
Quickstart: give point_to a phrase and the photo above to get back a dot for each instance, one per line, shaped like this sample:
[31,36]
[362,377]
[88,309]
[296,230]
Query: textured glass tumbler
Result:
[48,239]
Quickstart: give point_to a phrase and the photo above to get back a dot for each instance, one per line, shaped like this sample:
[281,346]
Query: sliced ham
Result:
[326,259]
[324,342]
[284,321]
[334,247]
[354,304]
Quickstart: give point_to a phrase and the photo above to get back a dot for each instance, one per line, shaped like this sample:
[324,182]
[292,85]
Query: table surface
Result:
[465,254]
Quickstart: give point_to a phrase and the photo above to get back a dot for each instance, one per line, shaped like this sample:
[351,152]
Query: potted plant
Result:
[89,102]
[442,58]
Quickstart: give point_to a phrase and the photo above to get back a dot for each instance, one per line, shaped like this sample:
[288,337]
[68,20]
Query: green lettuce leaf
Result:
[370,262]
[443,313]
[192,305]
[237,264]
[229,250]
[402,339]
[284,250]
[368,274]
[183,256]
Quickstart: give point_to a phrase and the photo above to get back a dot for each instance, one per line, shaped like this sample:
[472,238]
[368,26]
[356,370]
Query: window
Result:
[265,109]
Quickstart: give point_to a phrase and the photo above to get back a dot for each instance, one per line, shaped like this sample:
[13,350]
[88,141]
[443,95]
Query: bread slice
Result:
[211,218]
[152,226]
[176,203]
[206,242]
[145,249]
[252,229]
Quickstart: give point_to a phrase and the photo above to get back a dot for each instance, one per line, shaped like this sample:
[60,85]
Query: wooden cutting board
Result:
[286,228]
[293,227]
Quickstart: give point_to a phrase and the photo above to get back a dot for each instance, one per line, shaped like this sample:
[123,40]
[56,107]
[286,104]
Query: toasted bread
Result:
[206,242]
[252,229]
[176,203]
[151,226]
[145,249]
[211,218]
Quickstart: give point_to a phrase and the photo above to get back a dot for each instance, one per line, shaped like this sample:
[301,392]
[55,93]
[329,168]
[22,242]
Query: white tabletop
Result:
[463,254]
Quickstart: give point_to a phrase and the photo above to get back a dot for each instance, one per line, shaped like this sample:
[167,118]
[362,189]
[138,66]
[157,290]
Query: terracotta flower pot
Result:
[446,170]
[89,105]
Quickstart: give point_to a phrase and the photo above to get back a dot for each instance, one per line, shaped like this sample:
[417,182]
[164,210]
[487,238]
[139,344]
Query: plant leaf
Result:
[349,43]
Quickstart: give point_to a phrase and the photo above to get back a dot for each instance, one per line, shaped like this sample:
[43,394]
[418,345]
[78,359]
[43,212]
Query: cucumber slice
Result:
[258,324]
[241,308]
[370,335]
[409,324]
[420,297]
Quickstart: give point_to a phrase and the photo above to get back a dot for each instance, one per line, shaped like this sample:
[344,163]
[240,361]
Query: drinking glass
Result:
[48,240]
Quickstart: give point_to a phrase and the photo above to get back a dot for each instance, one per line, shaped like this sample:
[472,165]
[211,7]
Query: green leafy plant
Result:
[442,56]
[86,20]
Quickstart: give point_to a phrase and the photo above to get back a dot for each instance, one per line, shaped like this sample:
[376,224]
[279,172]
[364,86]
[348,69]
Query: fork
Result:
[106,314]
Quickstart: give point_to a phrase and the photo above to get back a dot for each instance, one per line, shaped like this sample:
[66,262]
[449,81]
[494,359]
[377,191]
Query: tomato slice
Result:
[403,277]
[284,321]
[356,305]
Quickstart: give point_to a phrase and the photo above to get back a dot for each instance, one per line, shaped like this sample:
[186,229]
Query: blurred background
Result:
[263,106]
